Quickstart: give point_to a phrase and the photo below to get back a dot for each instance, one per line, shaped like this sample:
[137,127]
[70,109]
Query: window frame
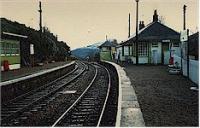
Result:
[143,49]
[154,44]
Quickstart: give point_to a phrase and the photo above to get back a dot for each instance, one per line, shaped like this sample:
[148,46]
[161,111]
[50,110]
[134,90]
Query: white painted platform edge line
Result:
[118,121]
[118,118]
[34,75]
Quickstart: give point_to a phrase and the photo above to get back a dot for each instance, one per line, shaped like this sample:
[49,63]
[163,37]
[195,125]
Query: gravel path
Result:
[165,100]
[24,71]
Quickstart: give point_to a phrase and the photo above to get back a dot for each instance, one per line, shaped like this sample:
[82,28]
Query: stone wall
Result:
[12,89]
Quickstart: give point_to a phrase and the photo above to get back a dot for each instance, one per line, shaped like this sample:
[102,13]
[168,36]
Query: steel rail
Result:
[107,95]
[61,117]
[43,97]
[41,87]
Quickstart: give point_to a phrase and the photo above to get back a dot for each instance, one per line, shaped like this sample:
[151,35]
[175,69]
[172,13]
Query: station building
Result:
[156,43]
[13,53]
[108,50]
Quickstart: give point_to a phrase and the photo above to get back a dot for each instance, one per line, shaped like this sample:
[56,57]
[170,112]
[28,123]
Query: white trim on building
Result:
[12,67]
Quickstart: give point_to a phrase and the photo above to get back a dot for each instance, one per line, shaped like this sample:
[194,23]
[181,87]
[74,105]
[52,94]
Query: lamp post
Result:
[136,41]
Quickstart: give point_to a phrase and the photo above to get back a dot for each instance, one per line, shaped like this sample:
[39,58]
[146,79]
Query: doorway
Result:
[165,53]
[155,56]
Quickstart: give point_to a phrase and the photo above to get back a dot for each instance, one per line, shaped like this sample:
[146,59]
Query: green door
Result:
[165,53]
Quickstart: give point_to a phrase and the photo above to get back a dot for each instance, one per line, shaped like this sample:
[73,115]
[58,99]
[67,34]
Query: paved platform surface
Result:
[13,74]
[165,100]
[129,112]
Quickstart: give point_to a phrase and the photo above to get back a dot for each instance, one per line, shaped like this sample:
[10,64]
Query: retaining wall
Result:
[13,88]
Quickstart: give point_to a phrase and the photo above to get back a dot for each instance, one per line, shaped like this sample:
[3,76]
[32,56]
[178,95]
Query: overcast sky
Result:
[84,22]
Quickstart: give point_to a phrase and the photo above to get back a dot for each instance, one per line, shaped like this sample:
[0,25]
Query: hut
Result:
[13,53]
[108,50]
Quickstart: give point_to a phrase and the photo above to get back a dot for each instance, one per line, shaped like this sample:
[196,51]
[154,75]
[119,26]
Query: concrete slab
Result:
[131,117]
[129,113]
[129,98]
[35,74]
[129,104]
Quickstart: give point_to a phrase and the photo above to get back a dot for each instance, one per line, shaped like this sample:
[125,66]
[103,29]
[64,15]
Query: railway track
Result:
[77,99]
[89,108]
[20,105]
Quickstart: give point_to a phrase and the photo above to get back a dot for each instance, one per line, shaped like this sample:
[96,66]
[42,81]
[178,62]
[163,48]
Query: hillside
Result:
[50,49]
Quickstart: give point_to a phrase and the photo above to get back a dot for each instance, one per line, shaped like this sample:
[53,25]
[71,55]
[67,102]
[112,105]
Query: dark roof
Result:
[108,44]
[154,31]
[194,44]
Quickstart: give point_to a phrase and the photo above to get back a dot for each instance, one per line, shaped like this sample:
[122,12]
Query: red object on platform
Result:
[6,65]
[171,60]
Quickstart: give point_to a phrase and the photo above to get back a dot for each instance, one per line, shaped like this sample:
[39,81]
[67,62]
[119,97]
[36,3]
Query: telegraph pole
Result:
[136,31]
[129,24]
[188,59]
[184,11]
[184,28]
[40,24]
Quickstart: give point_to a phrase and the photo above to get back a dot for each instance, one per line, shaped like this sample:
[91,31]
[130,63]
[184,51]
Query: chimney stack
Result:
[155,16]
[141,25]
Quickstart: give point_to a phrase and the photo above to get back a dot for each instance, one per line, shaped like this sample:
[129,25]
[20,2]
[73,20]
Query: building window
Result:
[10,48]
[154,45]
[2,47]
[142,49]
[176,44]
[130,50]
[104,49]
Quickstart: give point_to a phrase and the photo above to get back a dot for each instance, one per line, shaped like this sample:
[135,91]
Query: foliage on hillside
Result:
[49,49]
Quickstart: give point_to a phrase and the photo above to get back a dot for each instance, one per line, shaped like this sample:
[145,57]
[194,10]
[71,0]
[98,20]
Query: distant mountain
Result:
[109,42]
[83,53]
[92,50]
[50,49]
[95,45]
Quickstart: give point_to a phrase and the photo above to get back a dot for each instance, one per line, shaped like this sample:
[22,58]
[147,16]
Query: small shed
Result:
[108,50]
[13,53]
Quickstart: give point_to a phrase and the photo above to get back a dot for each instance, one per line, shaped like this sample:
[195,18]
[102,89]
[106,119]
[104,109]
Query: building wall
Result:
[119,52]
[143,60]
[193,68]
[154,54]
[176,50]
[105,53]
[126,50]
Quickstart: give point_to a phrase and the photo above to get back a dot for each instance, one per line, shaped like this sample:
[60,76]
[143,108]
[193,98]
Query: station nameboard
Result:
[184,35]
[31,49]
[165,41]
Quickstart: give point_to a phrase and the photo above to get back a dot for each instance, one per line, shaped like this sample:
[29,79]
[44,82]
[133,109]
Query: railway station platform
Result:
[129,113]
[24,80]
[25,71]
